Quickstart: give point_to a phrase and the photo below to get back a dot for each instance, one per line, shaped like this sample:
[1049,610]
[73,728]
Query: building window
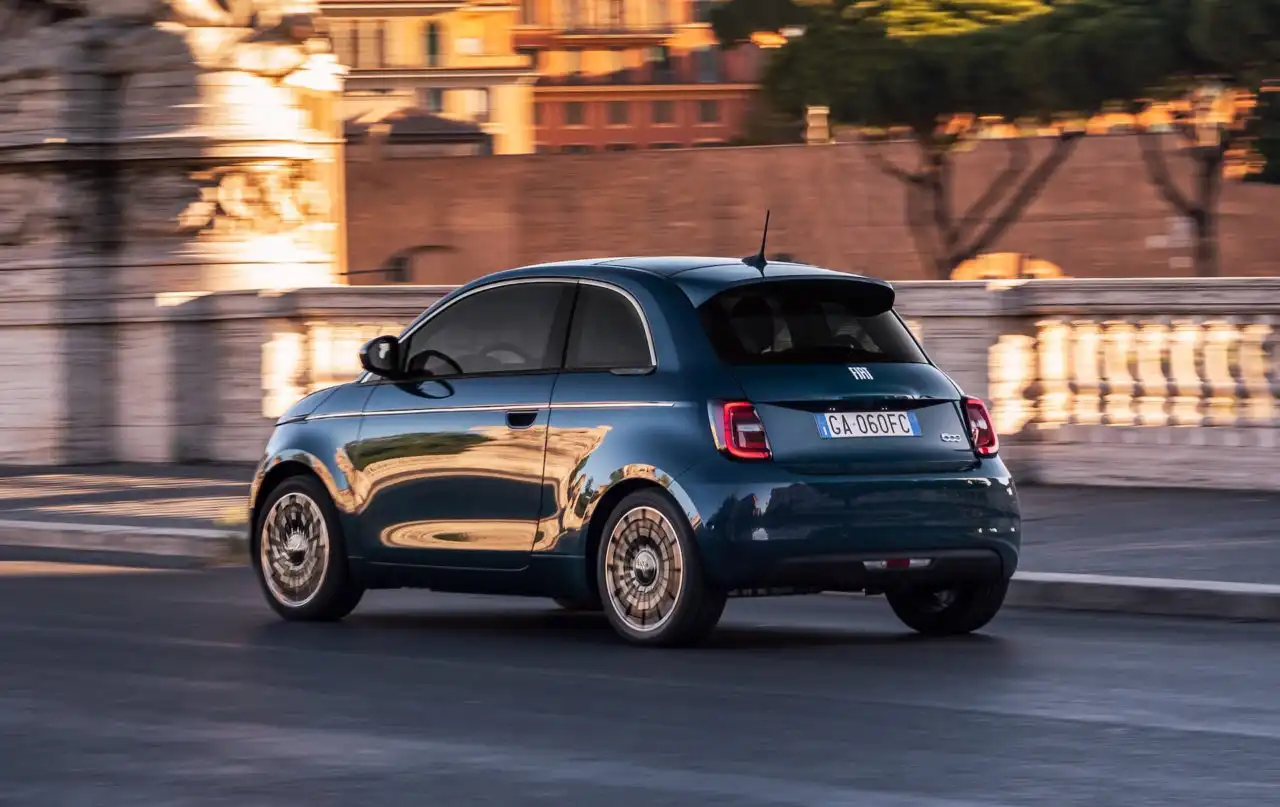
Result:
[577,149]
[573,113]
[708,112]
[342,34]
[657,13]
[477,104]
[431,44]
[542,148]
[665,146]
[617,113]
[664,112]
[380,38]
[617,15]
[573,14]
[707,64]
[660,59]
[537,114]
[528,12]
[620,147]
[431,99]
[702,10]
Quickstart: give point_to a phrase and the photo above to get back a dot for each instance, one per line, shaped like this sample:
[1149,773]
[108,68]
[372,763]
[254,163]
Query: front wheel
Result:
[299,554]
[948,611]
[651,582]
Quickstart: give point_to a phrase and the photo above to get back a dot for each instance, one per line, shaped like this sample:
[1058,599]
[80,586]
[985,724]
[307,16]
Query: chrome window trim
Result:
[436,410]
[644,321]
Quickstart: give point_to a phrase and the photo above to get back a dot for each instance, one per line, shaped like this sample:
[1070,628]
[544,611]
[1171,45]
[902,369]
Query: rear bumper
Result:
[762,526]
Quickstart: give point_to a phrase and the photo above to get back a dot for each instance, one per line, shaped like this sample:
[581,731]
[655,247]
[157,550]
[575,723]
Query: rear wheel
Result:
[299,554]
[950,611]
[651,582]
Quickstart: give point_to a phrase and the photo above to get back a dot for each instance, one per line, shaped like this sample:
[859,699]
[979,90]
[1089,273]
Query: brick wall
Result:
[830,207]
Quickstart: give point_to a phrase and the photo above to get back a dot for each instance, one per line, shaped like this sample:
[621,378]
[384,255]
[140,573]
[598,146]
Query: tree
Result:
[1201,53]
[919,66]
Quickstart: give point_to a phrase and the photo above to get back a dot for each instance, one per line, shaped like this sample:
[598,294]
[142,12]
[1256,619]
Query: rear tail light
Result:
[981,431]
[744,435]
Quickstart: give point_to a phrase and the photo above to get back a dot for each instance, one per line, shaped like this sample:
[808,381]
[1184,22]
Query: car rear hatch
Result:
[837,380]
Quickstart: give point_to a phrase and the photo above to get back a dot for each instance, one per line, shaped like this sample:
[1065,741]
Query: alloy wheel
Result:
[644,569]
[294,549]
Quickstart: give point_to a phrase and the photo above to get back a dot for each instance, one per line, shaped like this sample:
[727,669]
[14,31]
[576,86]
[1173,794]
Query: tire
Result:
[578,606]
[299,525]
[948,612]
[650,580]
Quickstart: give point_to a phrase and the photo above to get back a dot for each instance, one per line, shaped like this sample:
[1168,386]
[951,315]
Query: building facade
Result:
[453,58]
[616,75]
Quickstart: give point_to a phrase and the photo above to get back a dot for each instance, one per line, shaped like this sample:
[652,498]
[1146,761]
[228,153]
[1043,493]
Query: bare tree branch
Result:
[1158,171]
[886,166]
[1026,193]
[1019,157]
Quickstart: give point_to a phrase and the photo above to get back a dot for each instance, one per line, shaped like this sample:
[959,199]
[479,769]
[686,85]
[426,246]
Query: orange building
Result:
[617,75]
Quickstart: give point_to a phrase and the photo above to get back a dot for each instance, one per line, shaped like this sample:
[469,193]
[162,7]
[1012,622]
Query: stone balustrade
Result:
[1164,382]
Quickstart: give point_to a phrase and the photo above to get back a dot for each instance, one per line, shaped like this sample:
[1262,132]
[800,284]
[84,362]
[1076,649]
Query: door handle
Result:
[521,420]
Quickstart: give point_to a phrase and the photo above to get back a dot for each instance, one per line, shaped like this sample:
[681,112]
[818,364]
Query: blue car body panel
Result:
[436,483]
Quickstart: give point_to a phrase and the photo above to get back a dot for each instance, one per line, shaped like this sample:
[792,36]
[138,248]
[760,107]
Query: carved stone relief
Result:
[254,200]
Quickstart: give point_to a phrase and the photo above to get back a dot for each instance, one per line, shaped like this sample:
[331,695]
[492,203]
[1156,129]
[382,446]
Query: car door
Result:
[452,457]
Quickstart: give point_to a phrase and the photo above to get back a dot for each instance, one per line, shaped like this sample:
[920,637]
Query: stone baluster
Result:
[1183,354]
[1258,406]
[1118,353]
[1011,367]
[1153,379]
[1221,337]
[1054,339]
[320,342]
[1086,373]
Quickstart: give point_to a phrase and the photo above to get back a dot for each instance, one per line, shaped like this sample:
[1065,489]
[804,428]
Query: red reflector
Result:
[744,435]
[981,430]
[897,563]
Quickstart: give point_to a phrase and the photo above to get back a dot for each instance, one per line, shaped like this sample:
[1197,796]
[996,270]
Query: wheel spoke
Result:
[643,569]
[294,549]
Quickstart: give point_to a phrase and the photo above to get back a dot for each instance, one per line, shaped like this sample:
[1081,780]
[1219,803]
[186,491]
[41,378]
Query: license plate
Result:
[868,424]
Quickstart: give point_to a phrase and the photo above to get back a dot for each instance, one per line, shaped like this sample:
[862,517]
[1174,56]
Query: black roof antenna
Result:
[757,261]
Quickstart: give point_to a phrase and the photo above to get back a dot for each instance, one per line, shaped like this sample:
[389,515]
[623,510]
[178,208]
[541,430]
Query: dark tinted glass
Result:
[503,330]
[606,334]
[829,322]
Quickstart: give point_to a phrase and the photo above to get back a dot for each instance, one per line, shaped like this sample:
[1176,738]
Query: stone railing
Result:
[1165,382]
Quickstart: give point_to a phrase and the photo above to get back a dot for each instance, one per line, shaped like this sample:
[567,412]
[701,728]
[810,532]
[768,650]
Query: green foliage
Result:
[1264,132]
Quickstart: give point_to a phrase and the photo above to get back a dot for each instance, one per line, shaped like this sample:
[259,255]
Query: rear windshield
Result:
[829,322]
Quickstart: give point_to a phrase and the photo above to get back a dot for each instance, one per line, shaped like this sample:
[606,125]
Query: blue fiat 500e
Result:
[646,437]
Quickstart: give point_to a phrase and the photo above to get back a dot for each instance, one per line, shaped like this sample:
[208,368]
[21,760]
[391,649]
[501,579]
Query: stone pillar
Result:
[817,128]
[149,148]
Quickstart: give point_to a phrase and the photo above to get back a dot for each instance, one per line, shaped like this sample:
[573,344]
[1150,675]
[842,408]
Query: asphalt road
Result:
[178,688]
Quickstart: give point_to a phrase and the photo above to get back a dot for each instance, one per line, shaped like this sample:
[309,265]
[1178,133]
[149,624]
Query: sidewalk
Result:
[1169,535]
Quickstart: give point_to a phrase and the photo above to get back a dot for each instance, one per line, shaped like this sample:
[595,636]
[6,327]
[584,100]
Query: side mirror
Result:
[381,356]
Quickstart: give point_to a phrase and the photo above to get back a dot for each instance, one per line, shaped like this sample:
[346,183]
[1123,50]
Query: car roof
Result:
[699,277]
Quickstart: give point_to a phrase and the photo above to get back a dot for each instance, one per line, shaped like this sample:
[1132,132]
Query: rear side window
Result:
[607,333]
[806,322]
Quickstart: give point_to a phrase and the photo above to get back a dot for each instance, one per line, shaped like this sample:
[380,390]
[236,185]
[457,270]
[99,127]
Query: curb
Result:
[204,548]
[1145,595]
[170,545]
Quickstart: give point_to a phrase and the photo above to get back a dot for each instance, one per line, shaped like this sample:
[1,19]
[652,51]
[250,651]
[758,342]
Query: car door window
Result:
[502,330]
[607,333]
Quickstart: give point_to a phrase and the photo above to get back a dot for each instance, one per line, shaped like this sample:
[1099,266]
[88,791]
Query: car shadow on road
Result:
[525,628]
